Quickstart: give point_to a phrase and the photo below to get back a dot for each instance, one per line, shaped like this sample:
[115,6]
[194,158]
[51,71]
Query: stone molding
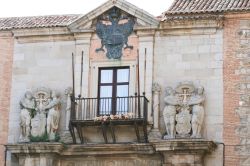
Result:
[84,22]
[166,150]
[184,145]
[35,148]
[183,27]
[41,31]
[173,146]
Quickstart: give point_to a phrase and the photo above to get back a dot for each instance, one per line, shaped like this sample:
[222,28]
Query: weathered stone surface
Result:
[102,154]
[176,152]
[184,111]
[184,152]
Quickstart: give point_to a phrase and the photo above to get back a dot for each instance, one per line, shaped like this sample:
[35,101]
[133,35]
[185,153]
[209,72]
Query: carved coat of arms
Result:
[113,29]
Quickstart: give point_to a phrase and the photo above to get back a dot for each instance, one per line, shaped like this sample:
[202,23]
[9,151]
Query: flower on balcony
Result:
[105,118]
[112,117]
[98,118]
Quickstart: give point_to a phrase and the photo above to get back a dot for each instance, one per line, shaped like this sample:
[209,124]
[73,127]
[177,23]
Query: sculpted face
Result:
[28,95]
[200,90]
[169,91]
[53,94]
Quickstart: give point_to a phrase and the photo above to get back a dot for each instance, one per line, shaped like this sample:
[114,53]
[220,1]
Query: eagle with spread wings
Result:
[114,34]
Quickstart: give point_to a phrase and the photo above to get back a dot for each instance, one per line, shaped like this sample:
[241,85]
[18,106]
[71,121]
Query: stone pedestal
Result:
[36,154]
[182,152]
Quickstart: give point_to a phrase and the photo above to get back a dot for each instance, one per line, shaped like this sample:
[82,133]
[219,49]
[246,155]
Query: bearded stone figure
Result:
[27,104]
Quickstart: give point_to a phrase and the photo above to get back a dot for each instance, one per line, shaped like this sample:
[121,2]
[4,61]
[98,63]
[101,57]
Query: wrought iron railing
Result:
[132,107]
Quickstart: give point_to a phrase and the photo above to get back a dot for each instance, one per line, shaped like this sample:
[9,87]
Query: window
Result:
[113,90]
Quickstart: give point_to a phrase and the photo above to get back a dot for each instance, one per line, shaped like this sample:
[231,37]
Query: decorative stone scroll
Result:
[40,115]
[184,111]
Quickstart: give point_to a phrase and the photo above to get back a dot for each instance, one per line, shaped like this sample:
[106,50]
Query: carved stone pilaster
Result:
[155,134]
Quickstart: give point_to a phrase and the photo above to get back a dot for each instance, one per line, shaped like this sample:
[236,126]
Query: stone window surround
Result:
[95,65]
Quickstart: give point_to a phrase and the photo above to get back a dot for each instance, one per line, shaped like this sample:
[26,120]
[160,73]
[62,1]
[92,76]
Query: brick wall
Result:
[6,54]
[236,89]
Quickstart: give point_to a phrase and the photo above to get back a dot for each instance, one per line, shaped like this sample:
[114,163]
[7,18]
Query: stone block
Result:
[183,65]
[204,49]
[215,65]
[190,57]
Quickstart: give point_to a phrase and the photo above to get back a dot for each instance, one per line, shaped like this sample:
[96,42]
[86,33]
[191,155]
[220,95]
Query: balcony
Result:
[107,113]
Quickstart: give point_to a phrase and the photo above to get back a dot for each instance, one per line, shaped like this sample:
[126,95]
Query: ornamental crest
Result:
[113,29]
[184,111]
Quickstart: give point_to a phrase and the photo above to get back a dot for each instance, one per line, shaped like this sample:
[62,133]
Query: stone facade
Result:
[212,53]
[35,65]
[194,55]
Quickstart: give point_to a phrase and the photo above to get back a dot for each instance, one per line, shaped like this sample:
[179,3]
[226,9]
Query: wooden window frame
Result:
[114,85]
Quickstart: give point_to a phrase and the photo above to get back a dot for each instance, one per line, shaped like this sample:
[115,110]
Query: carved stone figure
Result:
[38,123]
[39,112]
[184,111]
[155,133]
[169,112]
[113,29]
[53,115]
[68,93]
[28,106]
[198,112]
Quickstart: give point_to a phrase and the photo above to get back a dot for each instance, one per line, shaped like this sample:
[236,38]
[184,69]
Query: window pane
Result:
[105,105]
[122,103]
[106,76]
[122,91]
[106,91]
[123,75]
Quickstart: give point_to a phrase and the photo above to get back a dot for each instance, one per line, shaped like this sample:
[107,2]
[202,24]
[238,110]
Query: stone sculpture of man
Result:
[53,115]
[198,112]
[68,92]
[27,104]
[169,112]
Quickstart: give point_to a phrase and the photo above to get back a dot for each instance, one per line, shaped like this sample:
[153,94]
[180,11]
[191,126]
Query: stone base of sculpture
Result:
[154,134]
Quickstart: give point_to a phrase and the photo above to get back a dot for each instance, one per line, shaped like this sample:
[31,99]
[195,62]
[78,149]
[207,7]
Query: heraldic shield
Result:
[114,29]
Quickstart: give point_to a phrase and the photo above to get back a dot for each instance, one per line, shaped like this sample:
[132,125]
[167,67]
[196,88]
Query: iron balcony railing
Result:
[132,107]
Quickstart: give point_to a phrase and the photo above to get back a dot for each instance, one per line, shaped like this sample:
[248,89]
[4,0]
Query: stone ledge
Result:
[162,152]
[89,149]
[175,145]
[35,148]
[184,145]
[108,149]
